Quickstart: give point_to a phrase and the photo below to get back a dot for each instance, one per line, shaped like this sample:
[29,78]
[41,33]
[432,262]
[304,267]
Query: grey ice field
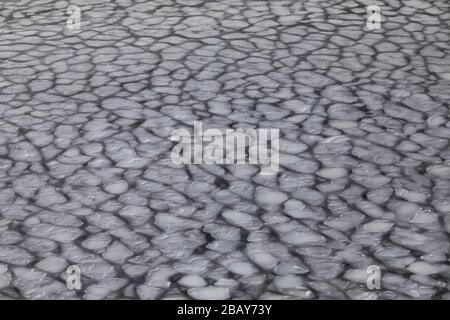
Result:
[85,172]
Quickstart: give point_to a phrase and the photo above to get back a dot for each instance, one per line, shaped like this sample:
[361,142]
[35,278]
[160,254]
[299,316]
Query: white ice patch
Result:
[241,219]
[270,197]
[302,238]
[332,173]
[192,281]
[210,293]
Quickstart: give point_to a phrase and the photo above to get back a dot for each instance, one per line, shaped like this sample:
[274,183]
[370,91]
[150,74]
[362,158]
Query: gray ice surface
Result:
[86,177]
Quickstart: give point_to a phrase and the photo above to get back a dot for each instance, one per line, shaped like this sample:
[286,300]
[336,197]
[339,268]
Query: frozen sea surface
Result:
[86,178]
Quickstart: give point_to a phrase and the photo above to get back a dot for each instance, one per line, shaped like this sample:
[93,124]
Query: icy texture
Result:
[86,177]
